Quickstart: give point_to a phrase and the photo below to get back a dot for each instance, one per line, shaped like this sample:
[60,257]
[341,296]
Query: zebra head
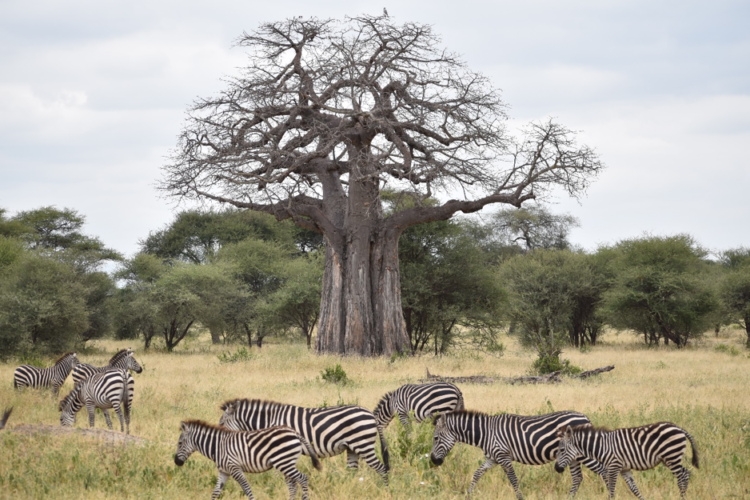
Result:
[132,364]
[567,450]
[442,441]
[229,418]
[185,445]
[69,407]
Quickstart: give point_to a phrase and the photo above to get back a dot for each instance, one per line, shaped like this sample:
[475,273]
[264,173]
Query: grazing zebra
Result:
[235,452]
[104,390]
[330,431]
[52,377]
[507,438]
[122,359]
[6,416]
[424,400]
[622,450]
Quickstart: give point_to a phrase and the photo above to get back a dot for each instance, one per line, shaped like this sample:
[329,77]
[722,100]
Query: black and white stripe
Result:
[235,452]
[52,377]
[110,389]
[623,450]
[423,399]
[122,359]
[330,431]
[507,438]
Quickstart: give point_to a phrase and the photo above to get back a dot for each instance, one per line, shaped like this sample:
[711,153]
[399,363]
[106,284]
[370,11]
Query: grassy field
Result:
[703,388]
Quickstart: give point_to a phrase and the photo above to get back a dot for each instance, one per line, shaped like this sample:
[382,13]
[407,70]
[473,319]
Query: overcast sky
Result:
[93,95]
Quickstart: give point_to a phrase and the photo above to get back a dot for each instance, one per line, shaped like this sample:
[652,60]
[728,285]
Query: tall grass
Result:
[700,388]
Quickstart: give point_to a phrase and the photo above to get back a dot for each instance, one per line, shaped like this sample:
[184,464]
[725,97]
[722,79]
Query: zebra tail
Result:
[460,404]
[384,449]
[695,461]
[313,457]
[6,415]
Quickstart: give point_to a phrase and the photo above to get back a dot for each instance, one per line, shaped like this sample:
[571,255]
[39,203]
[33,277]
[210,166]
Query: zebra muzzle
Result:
[435,460]
[178,461]
[559,469]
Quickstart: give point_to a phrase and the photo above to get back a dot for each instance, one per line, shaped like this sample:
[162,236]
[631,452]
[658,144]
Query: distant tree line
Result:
[244,277]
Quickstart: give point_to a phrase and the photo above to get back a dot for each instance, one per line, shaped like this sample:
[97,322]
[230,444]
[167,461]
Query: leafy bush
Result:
[241,354]
[335,375]
[548,364]
[729,349]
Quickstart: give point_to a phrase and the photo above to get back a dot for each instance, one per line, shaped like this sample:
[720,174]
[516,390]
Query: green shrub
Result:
[548,364]
[240,355]
[729,349]
[335,375]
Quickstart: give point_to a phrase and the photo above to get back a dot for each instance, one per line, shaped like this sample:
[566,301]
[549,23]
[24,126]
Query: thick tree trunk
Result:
[360,309]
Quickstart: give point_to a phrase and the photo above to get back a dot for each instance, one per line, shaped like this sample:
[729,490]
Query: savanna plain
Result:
[702,388]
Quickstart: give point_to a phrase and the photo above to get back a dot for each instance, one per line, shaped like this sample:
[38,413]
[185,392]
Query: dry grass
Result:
[702,389]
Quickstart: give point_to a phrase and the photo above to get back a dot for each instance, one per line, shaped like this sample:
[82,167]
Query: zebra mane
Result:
[64,356]
[584,429]
[205,425]
[67,400]
[457,413]
[263,402]
[122,353]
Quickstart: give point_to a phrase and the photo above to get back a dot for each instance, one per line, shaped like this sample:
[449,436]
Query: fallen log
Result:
[597,371]
[550,378]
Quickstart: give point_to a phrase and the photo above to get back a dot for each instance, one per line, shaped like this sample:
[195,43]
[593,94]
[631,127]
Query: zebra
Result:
[621,451]
[236,452]
[122,359]
[110,389]
[52,377]
[424,400]
[530,440]
[6,416]
[330,431]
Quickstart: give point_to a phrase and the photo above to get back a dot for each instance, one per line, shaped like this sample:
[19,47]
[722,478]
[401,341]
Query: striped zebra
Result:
[52,377]
[621,451]
[237,452]
[6,416]
[122,359]
[424,400]
[104,390]
[507,438]
[330,431]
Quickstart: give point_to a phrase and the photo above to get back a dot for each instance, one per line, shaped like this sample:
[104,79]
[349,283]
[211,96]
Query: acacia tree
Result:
[329,113]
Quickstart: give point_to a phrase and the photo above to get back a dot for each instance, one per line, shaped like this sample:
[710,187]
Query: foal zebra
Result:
[424,400]
[622,450]
[52,377]
[122,359]
[507,438]
[104,390]
[235,452]
[330,431]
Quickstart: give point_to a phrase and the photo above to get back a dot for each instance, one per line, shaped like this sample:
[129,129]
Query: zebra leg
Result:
[291,483]
[577,475]
[92,412]
[487,465]
[352,460]
[106,417]
[118,410]
[240,478]
[682,475]
[596,467]
[372,460]
[223,476]
[612,473]
[630,481]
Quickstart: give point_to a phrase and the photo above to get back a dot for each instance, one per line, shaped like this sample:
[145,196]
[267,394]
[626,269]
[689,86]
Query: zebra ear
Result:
[561,431]
[182,426]
[436,418]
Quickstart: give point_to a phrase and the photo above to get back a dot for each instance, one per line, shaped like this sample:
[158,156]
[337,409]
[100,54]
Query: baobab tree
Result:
[329,113]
